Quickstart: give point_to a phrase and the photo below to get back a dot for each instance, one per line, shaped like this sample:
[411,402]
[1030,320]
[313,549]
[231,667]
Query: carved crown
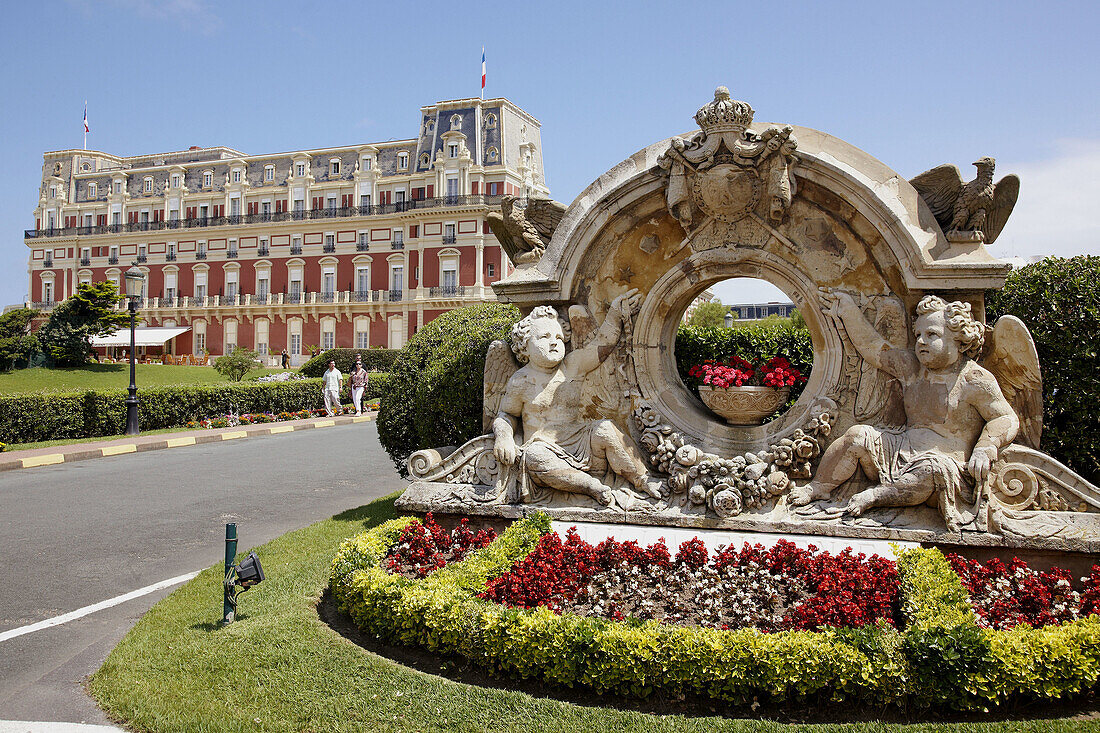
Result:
[724,114]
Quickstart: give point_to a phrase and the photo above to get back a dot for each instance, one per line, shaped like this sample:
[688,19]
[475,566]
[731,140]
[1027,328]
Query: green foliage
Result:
[1059,300]
[434,394]
[66,336]
[374,360]
[234,366]
[28,418]
[16,342]
[708,315]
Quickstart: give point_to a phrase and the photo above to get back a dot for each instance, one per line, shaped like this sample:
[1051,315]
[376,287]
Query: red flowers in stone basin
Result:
[783,587]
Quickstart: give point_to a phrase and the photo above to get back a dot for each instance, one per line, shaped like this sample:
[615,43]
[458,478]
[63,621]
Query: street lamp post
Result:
[729,319]
[135,278]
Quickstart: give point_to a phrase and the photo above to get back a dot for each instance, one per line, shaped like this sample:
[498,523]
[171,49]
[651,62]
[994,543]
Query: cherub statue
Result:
[957,418]
[544,404]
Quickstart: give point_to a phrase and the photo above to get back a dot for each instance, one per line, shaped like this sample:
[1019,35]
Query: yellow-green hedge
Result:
[942,657]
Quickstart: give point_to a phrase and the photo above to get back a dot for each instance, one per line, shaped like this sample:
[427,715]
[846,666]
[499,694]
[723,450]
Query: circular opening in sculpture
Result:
[744,350]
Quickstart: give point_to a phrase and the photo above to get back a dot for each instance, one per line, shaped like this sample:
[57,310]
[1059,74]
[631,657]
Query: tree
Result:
[234,366]
[67,335]
[708,315]
[17,343]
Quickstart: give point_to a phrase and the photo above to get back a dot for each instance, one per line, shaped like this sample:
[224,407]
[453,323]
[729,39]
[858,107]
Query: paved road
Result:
[75,534]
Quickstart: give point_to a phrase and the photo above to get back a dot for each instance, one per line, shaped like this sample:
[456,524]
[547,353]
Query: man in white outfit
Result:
[333,381]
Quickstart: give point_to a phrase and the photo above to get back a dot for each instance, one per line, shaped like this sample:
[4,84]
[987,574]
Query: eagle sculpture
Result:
[524,229]
[975,211]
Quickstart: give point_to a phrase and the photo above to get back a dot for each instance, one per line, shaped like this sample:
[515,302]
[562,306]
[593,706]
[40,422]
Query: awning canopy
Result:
[144,335]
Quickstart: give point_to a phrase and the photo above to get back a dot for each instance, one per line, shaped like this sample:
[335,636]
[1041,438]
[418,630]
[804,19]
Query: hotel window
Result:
[232,248]
[295,343]
[402,161]
[449,277]
[141,252]
[114,252]
[200,342]
[490,269]
[234,207]
[367,163]
[362,279]
[231,284]
[397,277]
[332,203]
[364,200]
[328,338]
[87,220]
[116,218]
[490,120]
[269,173]
[230,336]
[200,285]
[452,186]
[299,205]
[425,160]
[362,339]
[398,236]
[175,180]
[47,291]
[265,208]
[328,281]
[262,337]
[334,167]
[263,286]
[363,243]
[173,214]
[399,196]
[201,253]
[92,190]
[207,179]
[170,285]
[452,150]
[236,175]
[53,192]
[204,211]
[171,251]
[147,185]
[300,169]
[118,186]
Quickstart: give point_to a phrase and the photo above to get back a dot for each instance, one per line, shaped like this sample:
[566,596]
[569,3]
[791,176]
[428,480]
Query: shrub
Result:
[33,417]
[434,393]
[1059,300]
[234,366]
[374,360]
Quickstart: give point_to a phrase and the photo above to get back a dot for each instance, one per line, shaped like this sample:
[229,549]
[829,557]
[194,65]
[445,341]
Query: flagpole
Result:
[85,124]
[483,72]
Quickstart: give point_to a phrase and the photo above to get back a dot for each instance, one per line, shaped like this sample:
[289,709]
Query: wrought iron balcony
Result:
[170,257]
[200,255]
[197,300]
[231,254]
[261,299]
[227,300]
[452,291]
[361,247]
[214,221]
[263,251]
[394,296]
[365,296]
[326,297]
[47,263]
[293,298]
[112,260]
[329,247]
[43,305]
[141,258]
[295,249]
[397,245]
[449,239]
[85,261]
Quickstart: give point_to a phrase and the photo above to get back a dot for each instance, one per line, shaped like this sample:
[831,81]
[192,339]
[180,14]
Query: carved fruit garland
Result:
[729,486]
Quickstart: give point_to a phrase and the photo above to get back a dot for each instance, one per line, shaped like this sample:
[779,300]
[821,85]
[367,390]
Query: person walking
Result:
[358,382]
[333,380]
[286,359]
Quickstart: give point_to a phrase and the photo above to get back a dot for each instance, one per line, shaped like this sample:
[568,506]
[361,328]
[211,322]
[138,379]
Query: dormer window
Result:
[492,155]
[85,167]
[299,169]
[367,163]
[490,120]
[207,179]
[92,189]
[147,184]
[269,173]
[452,150]
[425,160]
[236,175]
[334,167]
[53,192]
[176,180]
[402,161]
[118,186]
[456,122]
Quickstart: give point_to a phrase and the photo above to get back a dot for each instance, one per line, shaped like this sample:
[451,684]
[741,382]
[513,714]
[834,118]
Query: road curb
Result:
[81,452]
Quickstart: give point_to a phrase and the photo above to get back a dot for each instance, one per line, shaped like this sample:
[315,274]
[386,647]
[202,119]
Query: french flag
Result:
[483,72]
[86,107]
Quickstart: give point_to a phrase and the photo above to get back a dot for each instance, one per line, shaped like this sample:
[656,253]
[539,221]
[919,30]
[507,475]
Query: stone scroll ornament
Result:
[737,182]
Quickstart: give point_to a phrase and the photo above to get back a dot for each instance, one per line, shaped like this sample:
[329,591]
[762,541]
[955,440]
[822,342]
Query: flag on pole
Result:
[483,72]
[85,124]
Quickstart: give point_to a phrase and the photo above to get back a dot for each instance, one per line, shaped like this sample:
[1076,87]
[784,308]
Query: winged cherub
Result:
[524,230]
[957,419]
[546,399]
[977,210]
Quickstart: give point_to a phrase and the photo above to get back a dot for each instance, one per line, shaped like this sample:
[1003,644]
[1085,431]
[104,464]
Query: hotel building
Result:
[352,246]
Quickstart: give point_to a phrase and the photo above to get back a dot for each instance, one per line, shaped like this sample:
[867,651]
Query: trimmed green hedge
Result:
[30,418]
[941,658]
[434,394]
[374,360]
[1059,300]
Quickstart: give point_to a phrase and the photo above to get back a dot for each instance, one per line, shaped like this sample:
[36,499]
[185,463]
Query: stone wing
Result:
[500,365]
[544,215]
[1011,356]
[513,245]
[1004,199]
[940,188]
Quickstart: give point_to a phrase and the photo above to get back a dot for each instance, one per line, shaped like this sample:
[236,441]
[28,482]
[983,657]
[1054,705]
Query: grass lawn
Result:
[280,668]
[110,376]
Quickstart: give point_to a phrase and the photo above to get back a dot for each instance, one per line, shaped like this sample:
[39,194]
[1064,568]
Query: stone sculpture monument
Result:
[918,421]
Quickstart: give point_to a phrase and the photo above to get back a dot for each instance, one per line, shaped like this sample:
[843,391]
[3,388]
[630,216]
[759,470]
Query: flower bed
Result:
[425,546]
[936,655]
[780,588]
[259,418]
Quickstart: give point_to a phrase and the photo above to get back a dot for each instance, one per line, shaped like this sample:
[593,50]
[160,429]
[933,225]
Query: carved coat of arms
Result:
[726,173]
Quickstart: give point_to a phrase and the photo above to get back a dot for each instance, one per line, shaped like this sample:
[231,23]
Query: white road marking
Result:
[81,612]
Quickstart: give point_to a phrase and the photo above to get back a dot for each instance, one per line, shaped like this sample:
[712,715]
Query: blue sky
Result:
[914,84]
